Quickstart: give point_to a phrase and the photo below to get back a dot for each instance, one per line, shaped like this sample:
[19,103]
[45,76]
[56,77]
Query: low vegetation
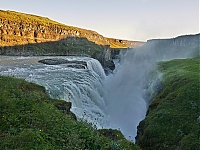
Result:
[173,117]
[29,119]
[69,46]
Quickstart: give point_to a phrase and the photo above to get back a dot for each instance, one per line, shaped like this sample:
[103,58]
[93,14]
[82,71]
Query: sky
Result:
[137,20]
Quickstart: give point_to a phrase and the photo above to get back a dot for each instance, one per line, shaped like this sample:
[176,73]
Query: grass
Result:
[29,119]
[173,118]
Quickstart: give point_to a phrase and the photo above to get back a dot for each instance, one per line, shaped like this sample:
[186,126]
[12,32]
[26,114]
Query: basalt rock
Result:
[64,107]
[72,64]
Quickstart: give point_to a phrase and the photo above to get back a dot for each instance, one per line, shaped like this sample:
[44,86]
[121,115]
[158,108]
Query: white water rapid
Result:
[82,87]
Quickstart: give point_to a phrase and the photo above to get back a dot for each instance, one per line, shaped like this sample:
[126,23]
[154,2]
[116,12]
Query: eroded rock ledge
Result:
[72,64]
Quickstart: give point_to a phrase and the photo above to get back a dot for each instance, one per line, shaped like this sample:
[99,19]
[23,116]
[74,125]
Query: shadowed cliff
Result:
[71,46]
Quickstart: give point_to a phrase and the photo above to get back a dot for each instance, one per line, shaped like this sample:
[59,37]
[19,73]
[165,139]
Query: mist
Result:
[129,89]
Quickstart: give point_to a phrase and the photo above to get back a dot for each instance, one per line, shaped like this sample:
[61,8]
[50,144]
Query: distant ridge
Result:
[19,28]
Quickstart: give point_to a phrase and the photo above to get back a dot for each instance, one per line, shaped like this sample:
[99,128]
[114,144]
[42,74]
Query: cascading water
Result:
[82,87]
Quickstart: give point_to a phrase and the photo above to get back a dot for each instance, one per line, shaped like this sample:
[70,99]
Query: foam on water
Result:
[82,87]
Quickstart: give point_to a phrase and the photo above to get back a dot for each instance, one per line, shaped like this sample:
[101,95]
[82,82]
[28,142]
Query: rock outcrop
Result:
[64,107]
[72,64]
[19,28]
[184,44]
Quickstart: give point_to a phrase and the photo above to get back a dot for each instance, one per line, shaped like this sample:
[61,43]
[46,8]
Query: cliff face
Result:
[18,28]
[180,41]
[185,46]
[17,33]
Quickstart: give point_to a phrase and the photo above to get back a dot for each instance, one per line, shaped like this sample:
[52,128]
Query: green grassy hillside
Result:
[30,120]
[173,117]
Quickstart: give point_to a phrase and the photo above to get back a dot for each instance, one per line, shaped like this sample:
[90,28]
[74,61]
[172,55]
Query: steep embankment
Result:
[29,119]
[19,28]
[173,117]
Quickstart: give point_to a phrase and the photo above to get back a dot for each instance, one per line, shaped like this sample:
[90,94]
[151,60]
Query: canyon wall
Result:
[19,28]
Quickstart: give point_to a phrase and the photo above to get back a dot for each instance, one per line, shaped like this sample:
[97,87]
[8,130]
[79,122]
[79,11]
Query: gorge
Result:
[71,64]
[119,100]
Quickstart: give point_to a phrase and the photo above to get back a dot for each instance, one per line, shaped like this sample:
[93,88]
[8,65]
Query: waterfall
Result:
[82,87]
[119,100]
[127,90]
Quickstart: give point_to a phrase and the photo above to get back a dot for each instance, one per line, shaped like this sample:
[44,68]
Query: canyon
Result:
[137,93]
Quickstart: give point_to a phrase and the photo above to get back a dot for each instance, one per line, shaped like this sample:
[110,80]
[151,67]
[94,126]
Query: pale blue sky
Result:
[125,19]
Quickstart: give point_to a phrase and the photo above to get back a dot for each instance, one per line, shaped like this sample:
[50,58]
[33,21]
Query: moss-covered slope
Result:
[29,119]
[173,117]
